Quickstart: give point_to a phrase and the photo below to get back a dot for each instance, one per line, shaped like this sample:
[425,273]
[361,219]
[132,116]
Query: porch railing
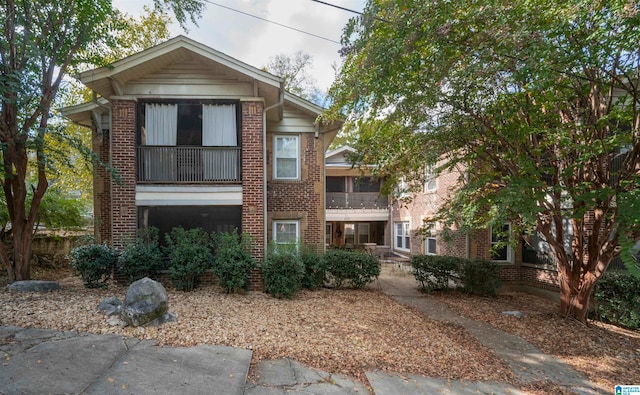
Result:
[188,164]
[355,200]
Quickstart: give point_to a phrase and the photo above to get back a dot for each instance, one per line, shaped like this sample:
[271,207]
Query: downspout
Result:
[264,161]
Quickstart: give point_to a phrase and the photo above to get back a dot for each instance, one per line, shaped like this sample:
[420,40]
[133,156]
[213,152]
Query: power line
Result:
[338,7]
[269,21]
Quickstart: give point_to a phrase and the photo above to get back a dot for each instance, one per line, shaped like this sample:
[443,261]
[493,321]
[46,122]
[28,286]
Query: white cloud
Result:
[254,41]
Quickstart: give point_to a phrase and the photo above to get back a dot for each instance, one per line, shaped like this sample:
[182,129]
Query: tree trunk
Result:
[20,266]
[574,301]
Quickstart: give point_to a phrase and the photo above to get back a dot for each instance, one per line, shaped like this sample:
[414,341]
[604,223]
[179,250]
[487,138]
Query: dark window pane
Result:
[335,184]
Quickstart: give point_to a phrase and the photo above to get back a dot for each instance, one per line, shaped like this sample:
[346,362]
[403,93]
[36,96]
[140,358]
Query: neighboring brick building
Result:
[200,139]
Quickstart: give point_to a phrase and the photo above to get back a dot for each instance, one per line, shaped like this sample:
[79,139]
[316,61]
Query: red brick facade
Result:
[101,187]
[123,193]
[301,200]
[253,175]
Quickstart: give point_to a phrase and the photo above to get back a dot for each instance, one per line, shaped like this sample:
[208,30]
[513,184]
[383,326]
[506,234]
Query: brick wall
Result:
[123,136]
[252,175]
[302,199]
[101,187]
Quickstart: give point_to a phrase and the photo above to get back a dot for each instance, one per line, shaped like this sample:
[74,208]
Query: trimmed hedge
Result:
[435,272]
[233,263]
[94,263]
[142,258]
[617,299]
[354,268]
[189,256]
[282,274]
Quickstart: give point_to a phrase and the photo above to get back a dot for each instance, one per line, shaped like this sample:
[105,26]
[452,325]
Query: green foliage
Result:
[94,263]
[283,274]
[480,277]
[294,69]
[354,268]
[189,256]
[61,210]
[617,299]
[436,272]
[141,258]
[314,268]
[527,101]
[233,262]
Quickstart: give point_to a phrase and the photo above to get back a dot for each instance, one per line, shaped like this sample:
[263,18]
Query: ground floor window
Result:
[430,241]
[328,234]
[350,234]
[209,218]
[500,249]
[286,232]
[402,236]
[363,233]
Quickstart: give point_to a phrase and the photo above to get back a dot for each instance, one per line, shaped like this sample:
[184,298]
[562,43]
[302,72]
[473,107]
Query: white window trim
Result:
[431,235]
[404,235]
[510,253]
[430,176]
[275,157]
[285,222]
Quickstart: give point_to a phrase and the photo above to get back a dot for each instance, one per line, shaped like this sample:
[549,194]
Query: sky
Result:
[255,41]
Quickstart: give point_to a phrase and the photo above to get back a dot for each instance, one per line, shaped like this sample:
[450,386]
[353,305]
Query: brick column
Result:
[123,141]
[101,187]
[253,175]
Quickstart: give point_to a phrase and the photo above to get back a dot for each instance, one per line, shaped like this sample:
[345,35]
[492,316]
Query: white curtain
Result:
[161,124]
[161,128]
[219,130]
[219,125]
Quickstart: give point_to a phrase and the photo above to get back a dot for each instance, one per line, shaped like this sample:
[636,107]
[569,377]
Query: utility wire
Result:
[338,7]
[275,23]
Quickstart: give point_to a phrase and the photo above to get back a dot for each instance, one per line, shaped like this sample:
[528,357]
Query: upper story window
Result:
[286,163]
[430,184]
[188,123]
[366,184]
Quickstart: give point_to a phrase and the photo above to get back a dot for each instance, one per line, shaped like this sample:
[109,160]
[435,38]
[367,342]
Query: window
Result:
[500,249]
[328,234]
[430,241]
[402,236]
[365,184]
[350,234]
[286,234]
[363,233]
[286,153]
[430,184]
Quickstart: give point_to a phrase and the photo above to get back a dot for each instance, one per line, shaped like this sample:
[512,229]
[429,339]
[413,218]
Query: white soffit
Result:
[188,195]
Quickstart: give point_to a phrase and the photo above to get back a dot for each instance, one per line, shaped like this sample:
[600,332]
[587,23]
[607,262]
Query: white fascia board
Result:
[174,195]
[356,215]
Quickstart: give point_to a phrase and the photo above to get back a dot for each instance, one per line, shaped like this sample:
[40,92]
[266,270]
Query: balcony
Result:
[171,164]
[356,200]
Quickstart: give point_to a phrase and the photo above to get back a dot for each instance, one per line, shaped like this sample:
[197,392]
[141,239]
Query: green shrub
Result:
[282,273]
[94,263]
[353,267]
[233,262]
[314,268]
[480,277]
[434,272]
[142,258]
[189,256]
[617,299]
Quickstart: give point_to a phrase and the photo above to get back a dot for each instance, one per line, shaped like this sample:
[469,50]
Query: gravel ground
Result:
[347,331]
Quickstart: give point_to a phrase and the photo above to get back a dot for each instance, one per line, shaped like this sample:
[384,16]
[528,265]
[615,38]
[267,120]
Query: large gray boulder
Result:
[146,301]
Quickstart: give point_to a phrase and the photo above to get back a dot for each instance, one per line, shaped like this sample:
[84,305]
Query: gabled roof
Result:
[107,80]
[86,113]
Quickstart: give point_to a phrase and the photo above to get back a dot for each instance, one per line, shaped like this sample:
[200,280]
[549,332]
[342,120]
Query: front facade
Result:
[357,214]
[199,139]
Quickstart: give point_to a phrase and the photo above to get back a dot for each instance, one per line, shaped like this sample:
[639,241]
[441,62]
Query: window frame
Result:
[509,250]
[279,222]
[405,234]
[430,179]
[431,236]
[275,156]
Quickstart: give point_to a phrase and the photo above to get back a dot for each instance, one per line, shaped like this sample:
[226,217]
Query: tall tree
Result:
[537,100]
[40,41]
[294,69]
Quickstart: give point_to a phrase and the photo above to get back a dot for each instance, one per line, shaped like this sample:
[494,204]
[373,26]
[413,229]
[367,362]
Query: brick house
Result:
[522,267]
[200,139]
[357,214]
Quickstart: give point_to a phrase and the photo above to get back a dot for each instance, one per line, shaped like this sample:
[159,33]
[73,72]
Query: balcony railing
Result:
[355,200]
[158,164]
